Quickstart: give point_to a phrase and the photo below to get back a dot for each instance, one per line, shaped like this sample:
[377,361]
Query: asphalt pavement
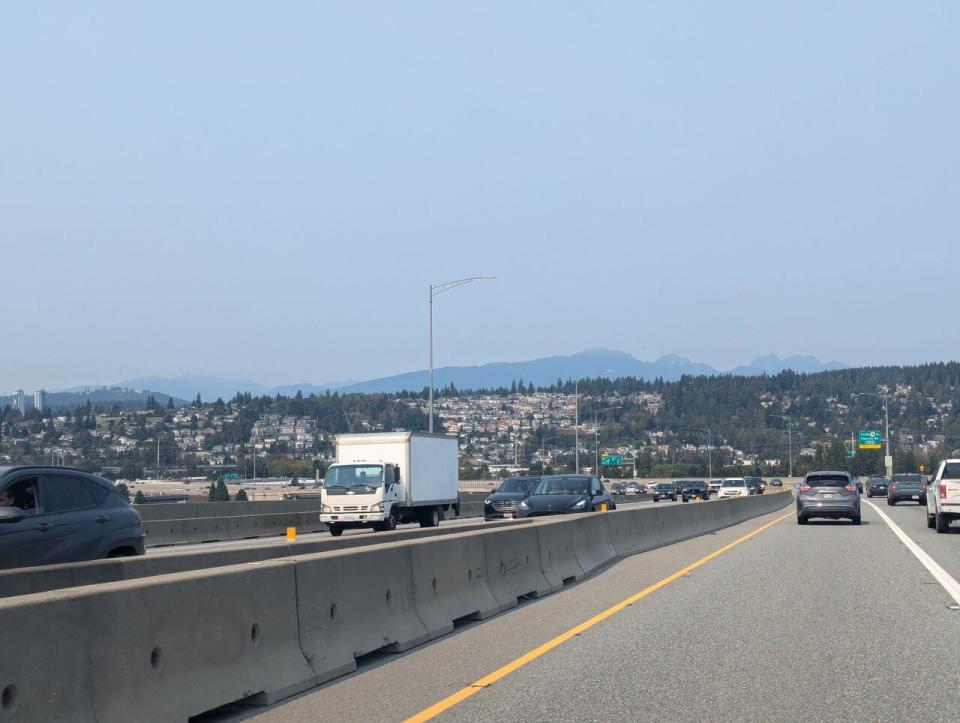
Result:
[826,621]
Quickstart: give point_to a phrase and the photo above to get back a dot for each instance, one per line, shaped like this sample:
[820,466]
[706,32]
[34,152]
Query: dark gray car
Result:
[831,495]
[911,487]
[505,502]
[566,494]
[53,515]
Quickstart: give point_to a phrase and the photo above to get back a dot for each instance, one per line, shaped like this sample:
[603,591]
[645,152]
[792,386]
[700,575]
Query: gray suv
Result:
[828,494]
[55,514]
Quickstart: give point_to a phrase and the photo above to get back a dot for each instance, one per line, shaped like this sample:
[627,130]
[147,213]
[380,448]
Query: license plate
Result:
[347,518]
[915,497]
[508,515]
[827,496]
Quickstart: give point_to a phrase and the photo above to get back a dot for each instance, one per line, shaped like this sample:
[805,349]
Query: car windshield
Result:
[563,486]
[354,476]
[664,486]
[734,483]
[827,480]
[519,484]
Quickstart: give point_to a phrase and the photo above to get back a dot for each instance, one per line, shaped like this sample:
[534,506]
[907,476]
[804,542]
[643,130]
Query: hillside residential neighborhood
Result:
[499,432]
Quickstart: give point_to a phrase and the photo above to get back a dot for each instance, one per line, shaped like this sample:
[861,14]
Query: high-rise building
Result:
[40,399]
[20,401]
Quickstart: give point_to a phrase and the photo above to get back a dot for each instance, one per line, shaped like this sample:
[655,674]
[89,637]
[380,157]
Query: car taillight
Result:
[805,488]
[923,488]
[851,488]
[943,492]
[893,486]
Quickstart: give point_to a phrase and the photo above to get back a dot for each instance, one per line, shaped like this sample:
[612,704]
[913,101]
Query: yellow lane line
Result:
[464,693]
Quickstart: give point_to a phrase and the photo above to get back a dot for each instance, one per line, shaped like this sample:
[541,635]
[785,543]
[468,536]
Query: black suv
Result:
[56,514]
[505,502]
[877,486]
[694,488]
[665,490]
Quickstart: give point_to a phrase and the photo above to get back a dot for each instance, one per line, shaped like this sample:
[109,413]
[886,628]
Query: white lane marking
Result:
[942,576]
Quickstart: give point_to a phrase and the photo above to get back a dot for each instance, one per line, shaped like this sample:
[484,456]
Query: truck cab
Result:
[361,495]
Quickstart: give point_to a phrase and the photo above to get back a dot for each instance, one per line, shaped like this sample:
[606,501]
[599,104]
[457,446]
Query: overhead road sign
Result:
[870,439]
[611,459]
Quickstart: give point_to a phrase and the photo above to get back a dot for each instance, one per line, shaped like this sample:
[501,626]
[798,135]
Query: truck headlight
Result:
[325,509]
[579,505]
[378,507]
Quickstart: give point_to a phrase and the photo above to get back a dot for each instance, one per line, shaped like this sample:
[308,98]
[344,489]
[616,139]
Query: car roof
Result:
[828,471]
[4,471]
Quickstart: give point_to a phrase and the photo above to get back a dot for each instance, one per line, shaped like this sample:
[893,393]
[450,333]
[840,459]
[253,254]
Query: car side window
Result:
[597,488]
[98,492]
[22,494]
[62,493]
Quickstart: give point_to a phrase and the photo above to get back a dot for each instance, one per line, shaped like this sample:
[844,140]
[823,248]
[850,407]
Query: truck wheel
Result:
[429,518]
[336,530]
[931,520]
[390,524]
[943,523]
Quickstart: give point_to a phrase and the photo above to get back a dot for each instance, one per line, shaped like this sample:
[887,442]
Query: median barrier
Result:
[168,532]
[591,541]
[558,557]
[514,569]
[353,602]
[161,649]
[29,580]
[449,582]
[45,660]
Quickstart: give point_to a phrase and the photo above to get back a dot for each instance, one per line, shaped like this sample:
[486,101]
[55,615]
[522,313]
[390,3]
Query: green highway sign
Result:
[231,475]
[870,439]
[611,459]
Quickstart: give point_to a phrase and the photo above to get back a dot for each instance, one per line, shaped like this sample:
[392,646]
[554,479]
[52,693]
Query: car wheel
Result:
[942,522]
[931,520]
[869,495]
[336,530]
[890,502]
[922,502]
[801,520]
[856,520]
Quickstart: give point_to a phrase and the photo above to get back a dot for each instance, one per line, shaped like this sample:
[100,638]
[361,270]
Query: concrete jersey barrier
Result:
[174,646]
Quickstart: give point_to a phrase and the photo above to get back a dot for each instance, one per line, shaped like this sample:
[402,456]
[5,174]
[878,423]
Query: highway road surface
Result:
[766,620]
[282,540]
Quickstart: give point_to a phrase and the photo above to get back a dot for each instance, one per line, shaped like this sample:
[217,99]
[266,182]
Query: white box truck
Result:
[383,479]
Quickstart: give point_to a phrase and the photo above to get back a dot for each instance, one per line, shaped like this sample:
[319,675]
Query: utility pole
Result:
[158,455]
[576,424]
[886,420]
[790,438]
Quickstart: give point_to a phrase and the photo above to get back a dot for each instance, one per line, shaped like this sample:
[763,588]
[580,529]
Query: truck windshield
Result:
[353,477]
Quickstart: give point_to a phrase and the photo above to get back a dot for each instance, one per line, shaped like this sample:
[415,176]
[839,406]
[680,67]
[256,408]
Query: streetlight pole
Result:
[576,424]
[436,291]
[888,461]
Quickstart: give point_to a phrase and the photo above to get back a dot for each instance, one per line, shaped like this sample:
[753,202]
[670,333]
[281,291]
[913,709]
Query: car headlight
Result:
[487,501]
[378,507]
[579,505]
[524,505]
[325,509]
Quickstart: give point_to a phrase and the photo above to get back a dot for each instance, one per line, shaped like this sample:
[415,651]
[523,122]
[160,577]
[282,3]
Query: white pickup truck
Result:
[943,495]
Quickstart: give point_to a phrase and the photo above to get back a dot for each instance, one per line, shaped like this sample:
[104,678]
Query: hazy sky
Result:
[267,189]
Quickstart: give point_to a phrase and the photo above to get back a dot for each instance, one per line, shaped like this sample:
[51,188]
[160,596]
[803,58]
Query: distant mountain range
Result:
[541,372]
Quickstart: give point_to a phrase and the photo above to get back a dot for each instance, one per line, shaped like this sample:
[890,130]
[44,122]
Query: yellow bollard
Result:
[291,534]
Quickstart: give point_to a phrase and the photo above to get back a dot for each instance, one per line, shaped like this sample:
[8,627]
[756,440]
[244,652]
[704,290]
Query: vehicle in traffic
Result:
[643,489]
[912,487]
[715,485]
[633,488]
[943,496]
[504,504]
[857,483]
[382,479]
[755,484]
[830,495]
[734,487]
[564,494]
[618,488]
[52,515]
[877,486]
[776,482]
[691,489]
[665,491]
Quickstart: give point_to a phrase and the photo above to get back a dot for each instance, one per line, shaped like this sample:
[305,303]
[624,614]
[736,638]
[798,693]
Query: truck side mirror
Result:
[396,475]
